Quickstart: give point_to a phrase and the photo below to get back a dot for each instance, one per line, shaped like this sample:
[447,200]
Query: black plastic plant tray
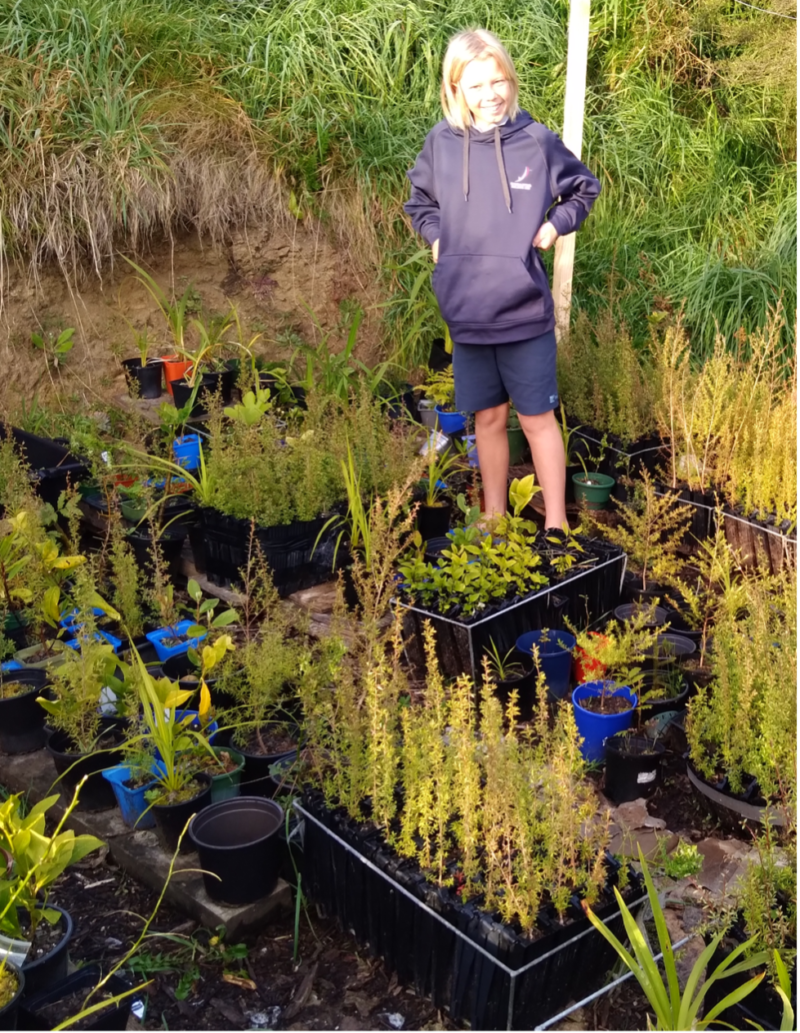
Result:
[51,464]
[288,549]
[482,972]
[582,599]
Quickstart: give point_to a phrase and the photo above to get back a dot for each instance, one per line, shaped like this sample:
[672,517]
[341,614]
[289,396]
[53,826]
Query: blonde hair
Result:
[466,46]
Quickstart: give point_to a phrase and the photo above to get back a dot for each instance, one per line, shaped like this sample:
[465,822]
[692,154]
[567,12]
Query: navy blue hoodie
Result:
[484,198]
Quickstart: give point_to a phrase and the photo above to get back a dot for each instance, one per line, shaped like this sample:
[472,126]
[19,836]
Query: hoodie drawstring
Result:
[498,150]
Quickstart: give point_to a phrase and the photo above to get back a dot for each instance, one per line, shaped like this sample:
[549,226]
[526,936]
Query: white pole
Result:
[574,102]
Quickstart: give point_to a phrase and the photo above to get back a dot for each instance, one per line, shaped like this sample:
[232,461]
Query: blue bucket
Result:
[555,657]
[131,801]
[450,422]
[186,451]
[596,728]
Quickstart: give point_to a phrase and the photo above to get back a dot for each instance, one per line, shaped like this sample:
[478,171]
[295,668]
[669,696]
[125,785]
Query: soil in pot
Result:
[171,818]
[237,841]
[47,961]
[143,381]
[21,717]
[609,705]
[264,746]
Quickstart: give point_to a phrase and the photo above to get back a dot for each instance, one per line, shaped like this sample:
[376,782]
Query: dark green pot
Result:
[596,494]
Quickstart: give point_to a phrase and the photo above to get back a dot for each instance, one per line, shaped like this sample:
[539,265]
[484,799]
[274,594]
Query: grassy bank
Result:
[123,119]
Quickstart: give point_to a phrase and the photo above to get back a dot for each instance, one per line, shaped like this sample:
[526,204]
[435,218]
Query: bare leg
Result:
[492,442]
[547,450]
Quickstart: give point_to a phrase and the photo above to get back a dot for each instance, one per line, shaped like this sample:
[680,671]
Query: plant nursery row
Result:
[430,764]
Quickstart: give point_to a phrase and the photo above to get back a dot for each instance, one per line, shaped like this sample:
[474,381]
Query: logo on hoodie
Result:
[519,184]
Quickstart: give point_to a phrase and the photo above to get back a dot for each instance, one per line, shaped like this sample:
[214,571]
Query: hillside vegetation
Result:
[123,119]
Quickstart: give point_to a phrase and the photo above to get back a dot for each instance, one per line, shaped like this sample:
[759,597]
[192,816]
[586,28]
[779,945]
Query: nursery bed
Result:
[480,971]
[583,598]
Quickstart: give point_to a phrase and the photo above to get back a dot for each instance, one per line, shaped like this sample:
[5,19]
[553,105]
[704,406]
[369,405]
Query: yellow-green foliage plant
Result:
[745,722]
[731,423]
[651,529]
[603,380]
[504,815]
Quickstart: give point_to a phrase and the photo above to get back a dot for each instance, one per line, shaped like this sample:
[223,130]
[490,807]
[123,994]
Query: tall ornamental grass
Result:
[123,119]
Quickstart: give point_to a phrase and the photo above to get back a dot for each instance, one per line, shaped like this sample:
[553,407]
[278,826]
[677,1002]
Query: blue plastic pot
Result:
[186,451]
[131,802]
[158,636]
[596,728]
[99,636]
[554,657]
[450,422]
[12,665]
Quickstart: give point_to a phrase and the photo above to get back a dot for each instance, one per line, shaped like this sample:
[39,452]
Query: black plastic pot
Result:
[182,392]
[180,669]
[434,547]
[627,612]
[9,1013]
[633,767]
[197,540]
[21,717]
[238,843]
[96,794]
[143,381]
[524,683]
[670,649]
[52,465]
[433,521]
[664,704]
[172,818]
[114,1017]
[51,968]
[171,545]
[256,780]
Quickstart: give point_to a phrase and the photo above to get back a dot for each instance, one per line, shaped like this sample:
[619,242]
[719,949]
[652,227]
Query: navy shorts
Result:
[524,371]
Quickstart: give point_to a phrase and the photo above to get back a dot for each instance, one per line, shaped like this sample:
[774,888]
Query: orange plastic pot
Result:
[174,369]
[588,668]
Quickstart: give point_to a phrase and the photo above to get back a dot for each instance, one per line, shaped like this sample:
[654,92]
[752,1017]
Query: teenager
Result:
[489,187]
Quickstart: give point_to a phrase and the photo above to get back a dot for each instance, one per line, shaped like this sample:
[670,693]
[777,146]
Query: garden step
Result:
[140,853]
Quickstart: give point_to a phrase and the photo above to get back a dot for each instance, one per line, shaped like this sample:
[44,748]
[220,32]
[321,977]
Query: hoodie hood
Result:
[496,135]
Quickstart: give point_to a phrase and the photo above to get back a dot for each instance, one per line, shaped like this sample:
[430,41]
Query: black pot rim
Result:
[262,803]
[14,1002]
[135,362]
[614,742]
[69,929]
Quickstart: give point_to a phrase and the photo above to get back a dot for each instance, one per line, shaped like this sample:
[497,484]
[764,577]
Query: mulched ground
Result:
[202,985]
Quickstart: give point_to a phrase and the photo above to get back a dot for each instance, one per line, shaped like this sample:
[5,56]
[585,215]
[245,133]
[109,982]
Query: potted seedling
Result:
[592,488]
[35,860]
[200,379]
[143,374]
[178,791]
[433,514]
[130,782]
[440,387]
[80,742]
[177,637]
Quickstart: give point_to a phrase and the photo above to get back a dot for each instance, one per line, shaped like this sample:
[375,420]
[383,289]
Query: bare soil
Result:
[281,280]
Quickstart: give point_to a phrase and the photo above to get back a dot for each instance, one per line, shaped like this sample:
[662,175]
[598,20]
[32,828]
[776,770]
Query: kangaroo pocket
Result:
[487,289]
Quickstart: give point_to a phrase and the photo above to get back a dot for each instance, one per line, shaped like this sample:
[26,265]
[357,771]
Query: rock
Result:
[626,843]
[724,862]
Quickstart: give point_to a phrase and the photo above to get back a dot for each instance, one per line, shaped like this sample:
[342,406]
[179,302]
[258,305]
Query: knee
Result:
[538,424]
[491,420]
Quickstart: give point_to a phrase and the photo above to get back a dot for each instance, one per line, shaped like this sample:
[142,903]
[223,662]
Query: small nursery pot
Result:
[96,794]
[113,1017]
[633,767]
[433,521]
[592,490]
[555,657]
[55,657]
[132,802]
[595,728]
[238,842]
[170,542]
[226,786]
[143,381]
[256,779]
[182,391]
[21,717]
[186,451]
[174,369]
[42,973]
[450,422]
[628,611]
[161,635]
[171,818]
[670,649]
[427,413]
[8,1013]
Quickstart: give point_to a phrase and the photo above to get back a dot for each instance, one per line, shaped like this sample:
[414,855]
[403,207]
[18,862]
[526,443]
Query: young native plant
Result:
[673,1010]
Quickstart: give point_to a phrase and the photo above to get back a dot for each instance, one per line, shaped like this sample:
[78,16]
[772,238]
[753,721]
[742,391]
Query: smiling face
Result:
[486,91]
